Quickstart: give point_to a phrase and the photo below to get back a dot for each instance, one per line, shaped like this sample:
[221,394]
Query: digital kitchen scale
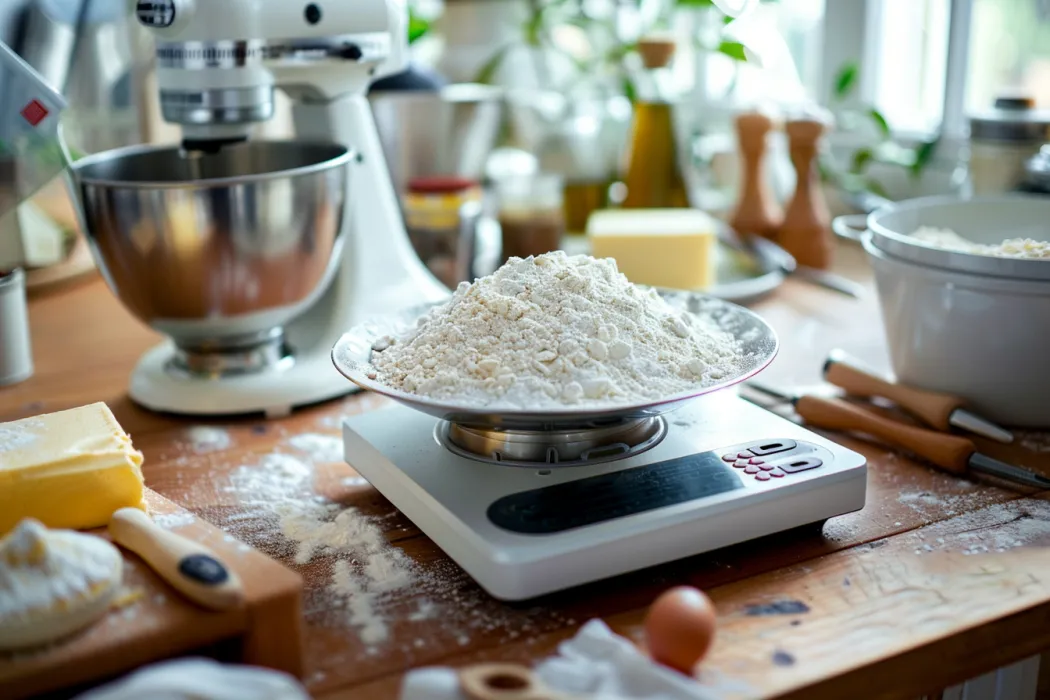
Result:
[533,512]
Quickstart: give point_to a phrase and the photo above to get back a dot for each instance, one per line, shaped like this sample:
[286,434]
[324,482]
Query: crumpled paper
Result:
[596,664]
[200,679]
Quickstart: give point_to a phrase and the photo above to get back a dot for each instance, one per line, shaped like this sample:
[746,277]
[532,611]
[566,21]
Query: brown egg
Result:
[680,627]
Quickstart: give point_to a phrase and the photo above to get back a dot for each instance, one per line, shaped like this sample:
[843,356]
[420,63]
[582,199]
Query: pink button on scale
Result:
[728,458]
[744,455]
[762,476]
[776,472]
[751,470]
[741,463]
[767,467]
[756,460]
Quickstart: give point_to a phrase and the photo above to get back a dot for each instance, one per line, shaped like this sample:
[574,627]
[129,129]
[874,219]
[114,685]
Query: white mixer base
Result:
[312,379]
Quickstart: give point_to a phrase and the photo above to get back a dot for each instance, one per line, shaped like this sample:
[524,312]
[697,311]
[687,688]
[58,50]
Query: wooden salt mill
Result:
[806,230]
[756,210]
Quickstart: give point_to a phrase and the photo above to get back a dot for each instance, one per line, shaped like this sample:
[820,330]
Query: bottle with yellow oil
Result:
[653,172]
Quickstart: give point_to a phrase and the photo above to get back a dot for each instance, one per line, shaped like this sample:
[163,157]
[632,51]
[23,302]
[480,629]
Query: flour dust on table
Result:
[364,566]
[206,438]
[556,330]
[367,585]
[174,521]
[320,448]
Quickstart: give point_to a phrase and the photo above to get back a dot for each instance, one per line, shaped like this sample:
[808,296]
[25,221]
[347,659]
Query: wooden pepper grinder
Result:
[806,231]
[756,210]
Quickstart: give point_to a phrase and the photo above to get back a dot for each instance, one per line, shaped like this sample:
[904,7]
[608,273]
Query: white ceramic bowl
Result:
[970,325]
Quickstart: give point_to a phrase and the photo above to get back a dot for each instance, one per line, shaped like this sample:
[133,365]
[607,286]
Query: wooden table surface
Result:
[897,600]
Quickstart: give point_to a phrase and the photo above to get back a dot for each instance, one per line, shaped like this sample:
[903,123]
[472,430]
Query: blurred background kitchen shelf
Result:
[511,88]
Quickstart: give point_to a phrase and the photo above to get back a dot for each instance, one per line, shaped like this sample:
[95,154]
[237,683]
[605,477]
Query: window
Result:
[1009,49]
[796,26]
[925,64]
[911,43]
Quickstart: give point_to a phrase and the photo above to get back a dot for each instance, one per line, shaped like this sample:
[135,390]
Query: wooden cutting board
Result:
[54,201]
[155,622]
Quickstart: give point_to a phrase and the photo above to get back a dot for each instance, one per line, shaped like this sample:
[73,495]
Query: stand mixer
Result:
[218,65]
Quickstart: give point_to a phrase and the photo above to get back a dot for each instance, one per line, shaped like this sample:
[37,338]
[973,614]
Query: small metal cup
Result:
[16,355]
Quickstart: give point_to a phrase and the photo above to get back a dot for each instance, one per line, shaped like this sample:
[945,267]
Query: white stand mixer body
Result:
[379,271]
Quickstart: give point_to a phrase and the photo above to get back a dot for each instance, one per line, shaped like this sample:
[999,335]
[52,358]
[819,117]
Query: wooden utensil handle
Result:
[189,567]
[932,408]
[497,681]
[946,451]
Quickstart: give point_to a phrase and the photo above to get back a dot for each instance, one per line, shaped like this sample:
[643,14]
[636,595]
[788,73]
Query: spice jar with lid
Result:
[441,218]
[1002,140]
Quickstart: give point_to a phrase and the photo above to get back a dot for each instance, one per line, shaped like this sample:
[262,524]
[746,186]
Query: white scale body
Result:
[695,491]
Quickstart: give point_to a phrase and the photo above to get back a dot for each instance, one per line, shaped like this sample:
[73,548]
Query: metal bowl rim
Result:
[567,414]
[344,158]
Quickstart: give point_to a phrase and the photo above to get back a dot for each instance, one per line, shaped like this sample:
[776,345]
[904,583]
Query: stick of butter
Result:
[672,248]
[69,469]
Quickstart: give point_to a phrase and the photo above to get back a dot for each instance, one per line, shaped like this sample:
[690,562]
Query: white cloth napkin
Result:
[200,679]
[595,664]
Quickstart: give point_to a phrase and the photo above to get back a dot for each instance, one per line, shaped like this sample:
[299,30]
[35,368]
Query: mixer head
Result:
[218,60]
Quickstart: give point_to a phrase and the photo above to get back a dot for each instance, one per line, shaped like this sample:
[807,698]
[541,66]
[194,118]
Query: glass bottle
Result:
[653,174]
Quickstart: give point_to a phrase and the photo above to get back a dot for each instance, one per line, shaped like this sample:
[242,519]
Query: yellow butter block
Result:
[672,248]
[69,469]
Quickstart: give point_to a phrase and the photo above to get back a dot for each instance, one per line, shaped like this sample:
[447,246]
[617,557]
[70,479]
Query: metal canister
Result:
[1002,140]
[16,356]
[441,216]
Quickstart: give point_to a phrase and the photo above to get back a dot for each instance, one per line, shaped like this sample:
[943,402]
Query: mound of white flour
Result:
[553,330]
[1026,248]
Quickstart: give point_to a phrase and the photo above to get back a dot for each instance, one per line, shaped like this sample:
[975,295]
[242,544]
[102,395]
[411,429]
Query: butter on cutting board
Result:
[673,248]
[69,469]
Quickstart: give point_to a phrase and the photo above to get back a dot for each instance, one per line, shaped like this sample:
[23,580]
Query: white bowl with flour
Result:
[964,290]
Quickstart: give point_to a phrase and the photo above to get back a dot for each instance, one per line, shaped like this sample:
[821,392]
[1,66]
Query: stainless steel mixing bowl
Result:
[216,251]
[447,132]
[759,345]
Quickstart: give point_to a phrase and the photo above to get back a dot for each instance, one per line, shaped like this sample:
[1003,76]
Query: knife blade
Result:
[776,256]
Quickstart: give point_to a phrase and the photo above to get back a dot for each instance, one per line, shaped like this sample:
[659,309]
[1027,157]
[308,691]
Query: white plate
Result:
[352,357]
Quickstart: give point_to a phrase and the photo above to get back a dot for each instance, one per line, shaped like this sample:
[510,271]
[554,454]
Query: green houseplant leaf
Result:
[488,70]
[732,49]
[846,80]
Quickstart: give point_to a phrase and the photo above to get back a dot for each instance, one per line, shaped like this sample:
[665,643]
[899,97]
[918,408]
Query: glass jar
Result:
[1002,141]
[531,214]
[16,356]
[441,219]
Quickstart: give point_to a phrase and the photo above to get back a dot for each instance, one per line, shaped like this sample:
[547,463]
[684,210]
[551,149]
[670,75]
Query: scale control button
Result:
[747,454]
[756,460]
[741,463]
[752,469]
[776,472]
[729,458]
[761,449]
[762,476]
[767,467]
[799,464]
